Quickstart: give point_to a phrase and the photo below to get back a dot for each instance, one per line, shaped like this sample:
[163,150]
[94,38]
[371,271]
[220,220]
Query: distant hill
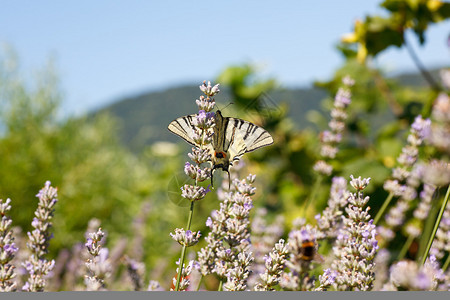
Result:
[144,118]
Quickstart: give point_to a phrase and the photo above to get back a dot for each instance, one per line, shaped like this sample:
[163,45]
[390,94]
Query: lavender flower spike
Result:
[404,182]
[274,267]
[230,225]
[408,275]
[202,134]
[355,247]
[136,271]
[185,272]
[185,238]
[331,138]
[329,220]
[37,266]
[8,250]
[98,264]
[440,129]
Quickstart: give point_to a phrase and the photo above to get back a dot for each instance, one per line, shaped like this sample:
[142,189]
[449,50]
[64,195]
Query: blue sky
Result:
[105,50]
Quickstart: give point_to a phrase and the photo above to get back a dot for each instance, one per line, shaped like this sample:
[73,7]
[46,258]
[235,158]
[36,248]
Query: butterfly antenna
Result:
[224,107]
[229,181]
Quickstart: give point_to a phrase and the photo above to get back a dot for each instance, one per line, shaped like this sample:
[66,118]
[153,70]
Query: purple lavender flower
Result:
[437,173]
[197,173]
[263,237]
[405,176]
[421,129]
[407,275]
[154,286]
[274,266]
[209,90]
[440,129]
[136,272]
[414,226]
[199,156]
[331,138]
[381,268]
[327,279]
[185,238]
[230,224]
[205,104]
[37,266]
[185,272]
[356,245]
[358,183]
[89,244]
[202,134]
[8,249]
[98,265]
[323,168]
[203,120]
[328,222]
[441,243]
[192,192]
[238,274]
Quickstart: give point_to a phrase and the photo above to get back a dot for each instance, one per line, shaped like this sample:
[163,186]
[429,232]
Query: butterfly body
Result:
[232,138]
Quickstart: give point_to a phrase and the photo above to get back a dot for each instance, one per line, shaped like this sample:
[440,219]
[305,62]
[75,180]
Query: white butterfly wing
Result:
[242,137]
[234,136]
[184,128]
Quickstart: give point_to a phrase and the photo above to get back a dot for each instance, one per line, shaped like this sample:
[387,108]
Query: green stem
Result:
[200,283]
[183,251]
[220,285]
[405,247]
[429,223]
[313,193]
[436,226]
[447,262]
[383,208]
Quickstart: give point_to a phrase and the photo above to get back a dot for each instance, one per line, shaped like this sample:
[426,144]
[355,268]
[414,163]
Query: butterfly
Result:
[232,138]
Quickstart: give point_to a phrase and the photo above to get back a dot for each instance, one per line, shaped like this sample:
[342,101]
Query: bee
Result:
[308,252]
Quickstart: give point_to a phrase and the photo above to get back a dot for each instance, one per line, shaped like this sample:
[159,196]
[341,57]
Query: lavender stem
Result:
[383,208]
[183,251]
[316,186]
[436,226]
[405,247]
[199,283]
[447,262]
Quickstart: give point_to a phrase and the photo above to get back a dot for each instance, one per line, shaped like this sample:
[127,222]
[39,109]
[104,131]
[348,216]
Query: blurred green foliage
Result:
[95,175]
[377,33]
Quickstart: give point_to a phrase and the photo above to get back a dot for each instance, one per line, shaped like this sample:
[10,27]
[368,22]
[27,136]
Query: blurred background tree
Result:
[96,176]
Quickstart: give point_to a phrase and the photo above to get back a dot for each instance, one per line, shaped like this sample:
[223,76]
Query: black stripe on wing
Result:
[251,135]
[264,139]
[184,128]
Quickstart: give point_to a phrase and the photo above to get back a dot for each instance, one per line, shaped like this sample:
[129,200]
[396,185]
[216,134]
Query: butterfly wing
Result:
[242,137]
[233,136]
[184,128]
